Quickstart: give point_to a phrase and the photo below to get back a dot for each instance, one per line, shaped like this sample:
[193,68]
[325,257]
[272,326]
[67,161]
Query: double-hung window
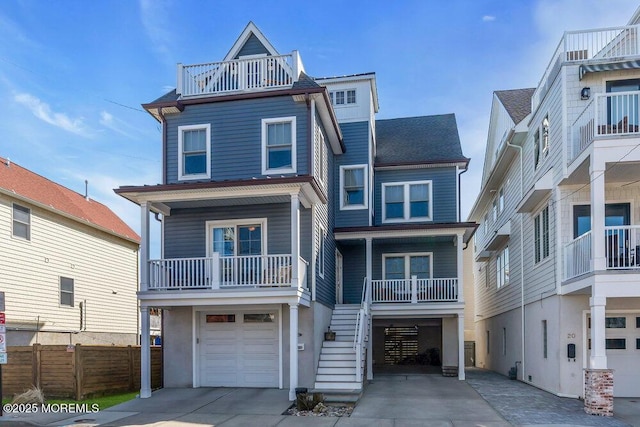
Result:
[541,235]
[66,291]
[21,222]
[502,268]
[279,145]
[353,187]
[407,201]
[194,152]
[343,97]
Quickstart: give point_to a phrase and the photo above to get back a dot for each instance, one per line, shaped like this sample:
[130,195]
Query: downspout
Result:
[460,193]
[522,317]
[163,122]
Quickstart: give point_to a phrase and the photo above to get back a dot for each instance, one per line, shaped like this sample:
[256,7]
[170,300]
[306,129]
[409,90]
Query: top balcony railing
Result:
[603,44]
[218,272]
[239,75]
[606,114]
[414,290]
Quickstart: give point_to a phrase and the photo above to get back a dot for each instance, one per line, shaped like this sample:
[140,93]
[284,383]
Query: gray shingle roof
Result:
[517,102]
[167,97]
[305,82]
[415,140]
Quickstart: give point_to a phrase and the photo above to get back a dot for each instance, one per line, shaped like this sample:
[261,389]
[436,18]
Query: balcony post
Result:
[597,215]
[295,239]
[598,359]
[179,79]
[144,246]
[460,265]
[215,270]
[414,289]
[368,257]
[293,350]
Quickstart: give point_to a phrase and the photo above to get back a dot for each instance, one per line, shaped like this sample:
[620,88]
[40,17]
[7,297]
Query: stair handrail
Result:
[362,319]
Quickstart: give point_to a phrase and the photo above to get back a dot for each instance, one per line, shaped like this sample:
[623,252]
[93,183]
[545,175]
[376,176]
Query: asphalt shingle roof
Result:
[31,186]
[414,140]
[517,102]
[304,81]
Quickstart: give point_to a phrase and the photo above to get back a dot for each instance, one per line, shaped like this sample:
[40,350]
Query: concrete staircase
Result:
[336,376]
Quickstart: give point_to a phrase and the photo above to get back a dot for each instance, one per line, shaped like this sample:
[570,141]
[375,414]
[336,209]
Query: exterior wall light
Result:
[585,93]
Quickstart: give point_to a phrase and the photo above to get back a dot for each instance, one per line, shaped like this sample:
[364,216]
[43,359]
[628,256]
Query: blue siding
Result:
[444,182]
[356,140]
[236,135]
[252,47]
[185,229]
[444,261]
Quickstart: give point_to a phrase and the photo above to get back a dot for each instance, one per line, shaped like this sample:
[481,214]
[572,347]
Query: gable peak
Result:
[250,30]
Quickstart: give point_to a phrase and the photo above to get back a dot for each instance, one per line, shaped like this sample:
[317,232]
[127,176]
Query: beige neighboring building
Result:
[69,265]
[469,308]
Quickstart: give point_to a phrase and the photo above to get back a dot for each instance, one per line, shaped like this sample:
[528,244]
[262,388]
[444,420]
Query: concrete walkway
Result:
[389,401]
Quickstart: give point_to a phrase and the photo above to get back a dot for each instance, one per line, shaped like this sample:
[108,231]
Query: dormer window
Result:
[278,145]
[194,157]
[343,97]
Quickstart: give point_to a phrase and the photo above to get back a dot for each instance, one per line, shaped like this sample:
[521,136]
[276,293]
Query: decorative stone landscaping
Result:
[322,410]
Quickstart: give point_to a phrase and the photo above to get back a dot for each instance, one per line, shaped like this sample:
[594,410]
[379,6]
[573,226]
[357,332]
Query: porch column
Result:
[598,359]
[461,347]
[145,353]
[144,246]
[295,241]
[368,261]
[460,265]
[597,216]
[293,350]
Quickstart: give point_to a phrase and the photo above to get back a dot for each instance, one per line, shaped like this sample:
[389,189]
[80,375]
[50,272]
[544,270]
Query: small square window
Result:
[351,96]
[340,98]
[66,291]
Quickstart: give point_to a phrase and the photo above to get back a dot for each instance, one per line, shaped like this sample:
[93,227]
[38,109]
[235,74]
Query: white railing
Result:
[590,45]
[225,272]
[414,290]
[247,74]
[607,114]
[622,246]
[577,256]
[362,322]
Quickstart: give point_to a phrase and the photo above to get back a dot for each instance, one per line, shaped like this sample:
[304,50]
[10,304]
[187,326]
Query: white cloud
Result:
[43,111]
[488,18]
[156,22]
[115,124]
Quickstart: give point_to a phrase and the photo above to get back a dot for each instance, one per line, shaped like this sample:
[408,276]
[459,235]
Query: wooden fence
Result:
[77,372]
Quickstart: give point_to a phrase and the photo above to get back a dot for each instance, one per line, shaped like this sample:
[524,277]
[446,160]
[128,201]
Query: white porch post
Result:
[461,347]
[369,269]
[460,265]
[144,246]
[293,350]
[295,240]
[145,353]
[597,216]
[598,359]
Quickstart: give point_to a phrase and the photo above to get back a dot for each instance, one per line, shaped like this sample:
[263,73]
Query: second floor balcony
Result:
[414,290]
[608,115]
[247,74]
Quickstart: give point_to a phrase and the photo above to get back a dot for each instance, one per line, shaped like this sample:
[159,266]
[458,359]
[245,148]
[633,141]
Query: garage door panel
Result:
[238,354]
[624,362]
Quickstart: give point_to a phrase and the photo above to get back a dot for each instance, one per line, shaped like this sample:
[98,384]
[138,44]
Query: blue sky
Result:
[74,73]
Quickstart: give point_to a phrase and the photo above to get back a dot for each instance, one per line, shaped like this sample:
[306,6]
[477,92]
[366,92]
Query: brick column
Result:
[598,392]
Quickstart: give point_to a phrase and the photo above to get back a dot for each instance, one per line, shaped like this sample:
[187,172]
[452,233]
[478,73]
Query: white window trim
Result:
[321,250]
[60,292]
[407,202]
[28,224]
[365,199]
[265,163]
[181,129]
[407,266]
[210,225]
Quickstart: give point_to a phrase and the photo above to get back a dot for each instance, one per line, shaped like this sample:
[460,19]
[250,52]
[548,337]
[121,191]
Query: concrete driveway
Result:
[390,401]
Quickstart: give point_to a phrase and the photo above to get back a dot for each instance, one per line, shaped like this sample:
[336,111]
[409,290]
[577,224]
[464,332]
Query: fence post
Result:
[131,368]
[78,368]
[36,365]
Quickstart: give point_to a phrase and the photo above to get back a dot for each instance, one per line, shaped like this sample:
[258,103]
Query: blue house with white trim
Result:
[287,210]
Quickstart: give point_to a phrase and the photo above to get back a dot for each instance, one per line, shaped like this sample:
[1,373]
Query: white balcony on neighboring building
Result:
[256,73]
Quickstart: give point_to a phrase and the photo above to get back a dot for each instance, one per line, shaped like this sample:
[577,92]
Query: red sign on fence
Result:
[2,318]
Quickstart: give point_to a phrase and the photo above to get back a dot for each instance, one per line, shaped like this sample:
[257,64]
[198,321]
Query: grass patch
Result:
[103,402]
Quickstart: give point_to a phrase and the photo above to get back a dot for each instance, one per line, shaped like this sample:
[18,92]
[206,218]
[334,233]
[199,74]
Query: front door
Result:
[338,277]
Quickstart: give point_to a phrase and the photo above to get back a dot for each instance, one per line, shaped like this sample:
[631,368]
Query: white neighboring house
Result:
[69,264]
[557,274]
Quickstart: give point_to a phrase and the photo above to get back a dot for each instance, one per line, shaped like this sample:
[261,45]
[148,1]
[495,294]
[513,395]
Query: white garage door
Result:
[239,349]
[623,354]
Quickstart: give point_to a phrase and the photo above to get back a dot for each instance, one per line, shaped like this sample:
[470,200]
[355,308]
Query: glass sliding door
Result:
[239,246]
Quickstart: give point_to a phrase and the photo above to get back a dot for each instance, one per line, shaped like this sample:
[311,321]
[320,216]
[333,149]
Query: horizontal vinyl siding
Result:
[356,140]
[236,135]
[185,230]
[444,184]
[355,269]
[104,269]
